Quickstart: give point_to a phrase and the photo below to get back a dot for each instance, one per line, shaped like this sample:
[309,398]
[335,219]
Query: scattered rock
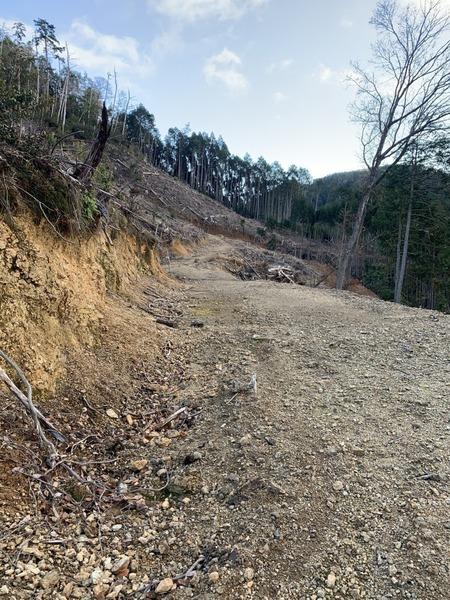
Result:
[245,440]
[111,413]
[139,464]
[120,567]
[331,580]
[197,323]
[164,586]
[214,577]
[338,486]
[358,451]
[68,588]
[96,575]
[249,574]
[115,592]
[193,457]
[50,580]
[99,590]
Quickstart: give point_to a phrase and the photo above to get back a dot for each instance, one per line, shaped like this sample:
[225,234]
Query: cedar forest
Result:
[404,248]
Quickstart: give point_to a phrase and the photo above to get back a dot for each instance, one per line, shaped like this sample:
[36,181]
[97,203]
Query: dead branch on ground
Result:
[27,401]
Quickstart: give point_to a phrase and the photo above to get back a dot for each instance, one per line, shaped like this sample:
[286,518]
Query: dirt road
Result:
[331,481]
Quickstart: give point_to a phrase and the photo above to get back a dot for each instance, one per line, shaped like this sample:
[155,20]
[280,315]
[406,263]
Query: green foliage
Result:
[90,209]
[271,223]
[427,281]
[14,105]
[272,243]
[377,278]
[261,231]
[103,177]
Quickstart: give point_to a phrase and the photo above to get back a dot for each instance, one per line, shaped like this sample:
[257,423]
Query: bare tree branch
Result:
[404,100]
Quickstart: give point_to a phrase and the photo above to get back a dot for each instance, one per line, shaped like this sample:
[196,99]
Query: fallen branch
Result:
[191,571]
[64,137]
[173,416]
[167,322]
[323,278]
[35,413]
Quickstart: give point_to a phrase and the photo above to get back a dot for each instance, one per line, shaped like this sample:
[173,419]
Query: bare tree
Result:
[84,171]
[402,254]
[404,99]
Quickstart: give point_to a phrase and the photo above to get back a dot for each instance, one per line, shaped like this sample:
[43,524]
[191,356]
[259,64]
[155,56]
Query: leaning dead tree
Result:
[85,171]
[404,100]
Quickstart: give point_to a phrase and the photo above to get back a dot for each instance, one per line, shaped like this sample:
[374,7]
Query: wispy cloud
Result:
[99,53]
[346,23]
[328,75]
[280,65]
[193,10]
[169,40]
[325,73]
[225,68]
[279,97]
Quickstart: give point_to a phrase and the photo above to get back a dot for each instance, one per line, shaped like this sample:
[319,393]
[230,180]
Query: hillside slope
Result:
[163,199]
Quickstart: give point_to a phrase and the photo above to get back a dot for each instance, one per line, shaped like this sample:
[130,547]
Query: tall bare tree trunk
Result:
[398,259]
[124,124]
[349,249]
[404,258]
[402,271]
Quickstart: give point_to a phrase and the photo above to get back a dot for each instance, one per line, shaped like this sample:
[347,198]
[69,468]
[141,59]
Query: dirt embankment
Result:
[53,291]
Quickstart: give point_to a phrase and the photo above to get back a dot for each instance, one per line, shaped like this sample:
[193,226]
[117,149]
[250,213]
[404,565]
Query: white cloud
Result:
[346,23]
[169,40]
[279,97]
[99,53]
[193,10]
[281,65]
[327,75]
[225,68]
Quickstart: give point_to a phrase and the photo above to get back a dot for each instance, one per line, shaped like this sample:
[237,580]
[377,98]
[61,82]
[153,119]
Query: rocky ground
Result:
[310,459]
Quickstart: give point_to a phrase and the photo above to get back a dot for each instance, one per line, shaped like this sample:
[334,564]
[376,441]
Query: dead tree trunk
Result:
[398,259]
[402,270]
[85,171]
[349,249]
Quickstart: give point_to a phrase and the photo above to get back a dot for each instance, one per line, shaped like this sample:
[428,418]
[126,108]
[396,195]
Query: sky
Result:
[267,75]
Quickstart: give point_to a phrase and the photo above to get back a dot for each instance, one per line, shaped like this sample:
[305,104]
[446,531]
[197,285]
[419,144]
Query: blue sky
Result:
[268,75]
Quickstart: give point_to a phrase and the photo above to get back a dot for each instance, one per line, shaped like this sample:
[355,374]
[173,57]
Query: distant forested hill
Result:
[427,277]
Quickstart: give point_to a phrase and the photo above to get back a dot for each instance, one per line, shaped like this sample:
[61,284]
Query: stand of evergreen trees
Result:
[42,95]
